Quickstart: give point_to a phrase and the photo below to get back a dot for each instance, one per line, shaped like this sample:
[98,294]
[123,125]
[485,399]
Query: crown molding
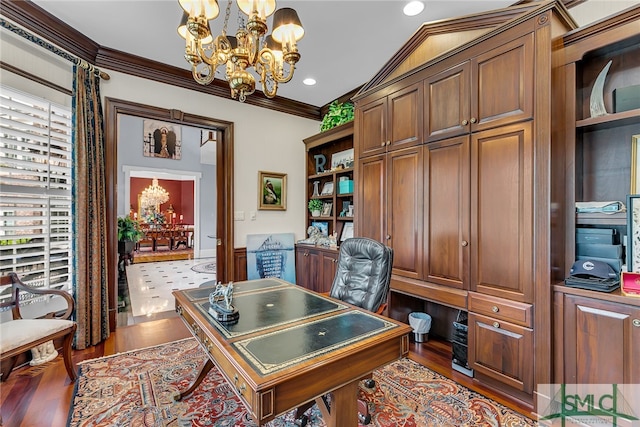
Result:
[35,19]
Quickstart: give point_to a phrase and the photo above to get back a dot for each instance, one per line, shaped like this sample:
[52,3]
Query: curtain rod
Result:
[51,48]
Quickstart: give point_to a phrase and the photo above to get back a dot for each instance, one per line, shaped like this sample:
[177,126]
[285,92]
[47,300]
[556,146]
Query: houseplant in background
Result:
[128,234]
[315,206]
[339,113]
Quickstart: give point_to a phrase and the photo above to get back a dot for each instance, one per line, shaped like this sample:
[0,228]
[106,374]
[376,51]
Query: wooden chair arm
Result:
[18,286]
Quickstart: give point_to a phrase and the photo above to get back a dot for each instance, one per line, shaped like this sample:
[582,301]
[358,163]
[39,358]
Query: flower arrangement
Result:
[154,218]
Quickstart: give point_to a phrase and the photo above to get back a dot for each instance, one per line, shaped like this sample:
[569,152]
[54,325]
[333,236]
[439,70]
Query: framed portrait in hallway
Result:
[162,139]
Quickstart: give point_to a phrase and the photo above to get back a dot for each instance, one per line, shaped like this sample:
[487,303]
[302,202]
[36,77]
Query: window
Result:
[35,191]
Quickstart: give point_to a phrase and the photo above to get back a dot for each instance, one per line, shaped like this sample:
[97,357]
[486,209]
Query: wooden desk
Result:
[290,346]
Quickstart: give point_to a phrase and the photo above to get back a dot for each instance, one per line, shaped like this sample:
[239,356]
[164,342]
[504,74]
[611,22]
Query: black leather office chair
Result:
[362,279]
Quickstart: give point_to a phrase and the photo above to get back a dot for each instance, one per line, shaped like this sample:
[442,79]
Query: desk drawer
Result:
[503,309]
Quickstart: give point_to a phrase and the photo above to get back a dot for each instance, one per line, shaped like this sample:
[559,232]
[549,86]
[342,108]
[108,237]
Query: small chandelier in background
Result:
[153,195]
[273,57]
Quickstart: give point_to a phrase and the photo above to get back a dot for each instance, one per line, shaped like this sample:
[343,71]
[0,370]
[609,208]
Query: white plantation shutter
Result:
[35,191]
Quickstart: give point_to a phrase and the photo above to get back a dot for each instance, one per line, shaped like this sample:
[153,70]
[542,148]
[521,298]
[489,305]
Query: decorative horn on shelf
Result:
[596,102]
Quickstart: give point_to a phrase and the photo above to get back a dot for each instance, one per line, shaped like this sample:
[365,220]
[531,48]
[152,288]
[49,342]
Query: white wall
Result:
[593,10]
[264,140]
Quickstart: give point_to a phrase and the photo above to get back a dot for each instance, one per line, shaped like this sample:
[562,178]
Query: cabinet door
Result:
[501,244]
[370,207]
[308,267]
[405,117]
[502,84]
[371,131]
[601,342]
[447,104]
[404,201]
[329,266]
[446,212]
[501,351]
[302,270]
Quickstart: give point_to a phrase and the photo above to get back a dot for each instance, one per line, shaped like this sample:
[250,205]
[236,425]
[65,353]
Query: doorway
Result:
[115,108]
[197,241]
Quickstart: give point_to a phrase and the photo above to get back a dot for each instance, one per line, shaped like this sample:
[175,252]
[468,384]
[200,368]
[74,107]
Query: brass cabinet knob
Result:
[465,122]
[636,323]
[473,120]
[495,309]
[388,142]
[388,236]
[464,243]
[496,325]
[382,144]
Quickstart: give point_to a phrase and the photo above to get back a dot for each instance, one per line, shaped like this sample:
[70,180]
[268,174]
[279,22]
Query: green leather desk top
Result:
[297,324]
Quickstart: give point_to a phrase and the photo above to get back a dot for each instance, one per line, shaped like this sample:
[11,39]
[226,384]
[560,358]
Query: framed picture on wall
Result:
[272,191]
[161,139]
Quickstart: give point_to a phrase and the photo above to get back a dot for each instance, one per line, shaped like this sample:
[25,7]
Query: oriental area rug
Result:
[136,389]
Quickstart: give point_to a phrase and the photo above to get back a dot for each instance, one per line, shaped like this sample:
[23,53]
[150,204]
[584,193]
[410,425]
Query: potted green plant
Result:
[339,113]
[128,234]
[315,206]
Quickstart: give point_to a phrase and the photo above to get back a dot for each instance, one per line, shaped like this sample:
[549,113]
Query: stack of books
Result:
[600,244]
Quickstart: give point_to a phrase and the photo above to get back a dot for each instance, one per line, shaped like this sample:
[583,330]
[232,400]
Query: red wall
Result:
[180,196]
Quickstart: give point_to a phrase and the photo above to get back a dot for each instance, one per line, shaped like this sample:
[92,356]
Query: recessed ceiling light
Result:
[413,8]
[309,81]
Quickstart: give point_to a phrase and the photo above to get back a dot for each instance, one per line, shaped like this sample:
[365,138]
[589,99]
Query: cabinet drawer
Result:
[502,351]
[502,309]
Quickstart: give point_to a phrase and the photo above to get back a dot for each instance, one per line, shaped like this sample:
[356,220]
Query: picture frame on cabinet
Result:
[633,233]
[326,209]
[635,164]
[323,226]
[342,159]
[327,189]
[272,191]
[347,231]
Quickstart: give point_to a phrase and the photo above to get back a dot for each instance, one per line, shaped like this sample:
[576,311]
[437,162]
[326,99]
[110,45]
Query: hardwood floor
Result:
[41,396]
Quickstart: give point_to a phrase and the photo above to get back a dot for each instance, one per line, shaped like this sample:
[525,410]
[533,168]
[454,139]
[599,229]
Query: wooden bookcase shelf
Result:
[326,144]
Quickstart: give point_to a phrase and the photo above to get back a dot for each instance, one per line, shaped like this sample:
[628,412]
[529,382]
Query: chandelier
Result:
[272,57]
[153,195]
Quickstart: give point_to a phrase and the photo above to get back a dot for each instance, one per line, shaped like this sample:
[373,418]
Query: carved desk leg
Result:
[203,373]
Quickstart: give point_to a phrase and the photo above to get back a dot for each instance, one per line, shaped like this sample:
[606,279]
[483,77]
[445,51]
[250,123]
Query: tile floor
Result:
[150,284]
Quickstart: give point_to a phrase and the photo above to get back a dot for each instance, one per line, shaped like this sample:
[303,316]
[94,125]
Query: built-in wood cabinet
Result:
[600,340]
[502,351]
[391,122]
[447,211]
[476,188]
[319,151]
[315,267]
[492,89]
[390,186]
[501,240]
[596,334]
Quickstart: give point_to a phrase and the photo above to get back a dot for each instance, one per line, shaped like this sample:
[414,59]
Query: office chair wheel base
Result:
[369,383]
[302,421]
[364,417]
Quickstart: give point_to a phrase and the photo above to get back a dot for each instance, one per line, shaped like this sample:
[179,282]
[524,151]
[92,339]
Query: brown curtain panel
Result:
[89,198]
